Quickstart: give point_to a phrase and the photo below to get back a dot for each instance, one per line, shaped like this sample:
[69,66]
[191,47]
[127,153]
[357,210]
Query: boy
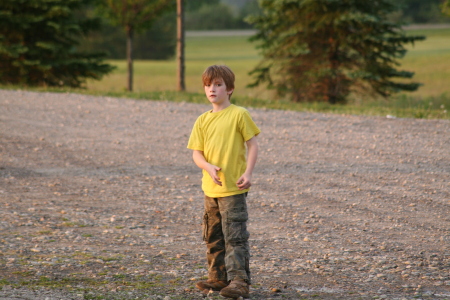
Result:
[219,140]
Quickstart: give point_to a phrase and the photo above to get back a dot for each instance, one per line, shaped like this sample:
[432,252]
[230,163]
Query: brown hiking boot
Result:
[236,289]
[215,285]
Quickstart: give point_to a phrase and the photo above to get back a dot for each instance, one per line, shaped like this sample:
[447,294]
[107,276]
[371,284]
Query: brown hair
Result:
[216,72]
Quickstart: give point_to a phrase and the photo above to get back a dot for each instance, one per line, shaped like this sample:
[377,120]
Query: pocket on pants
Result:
[237,226]
[235,216]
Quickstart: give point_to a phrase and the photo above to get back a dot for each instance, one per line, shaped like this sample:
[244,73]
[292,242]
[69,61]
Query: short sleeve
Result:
[196,140]
[247,126]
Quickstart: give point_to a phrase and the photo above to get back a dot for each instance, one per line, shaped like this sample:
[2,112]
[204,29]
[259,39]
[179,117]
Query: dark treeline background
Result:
[422,12]
[159,42]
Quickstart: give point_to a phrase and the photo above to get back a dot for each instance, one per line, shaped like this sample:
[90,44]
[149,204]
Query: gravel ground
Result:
[100,199]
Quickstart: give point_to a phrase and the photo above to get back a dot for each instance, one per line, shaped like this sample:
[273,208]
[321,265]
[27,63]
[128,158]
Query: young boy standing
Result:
[225,147]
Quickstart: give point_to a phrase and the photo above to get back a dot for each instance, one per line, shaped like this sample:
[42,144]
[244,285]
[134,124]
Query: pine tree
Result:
[322,50]
[38,40]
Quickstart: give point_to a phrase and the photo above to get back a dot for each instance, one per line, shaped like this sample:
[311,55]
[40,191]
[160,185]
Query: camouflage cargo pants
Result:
[226,236]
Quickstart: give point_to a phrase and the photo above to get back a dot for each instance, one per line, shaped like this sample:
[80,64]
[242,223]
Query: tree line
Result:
[158,42]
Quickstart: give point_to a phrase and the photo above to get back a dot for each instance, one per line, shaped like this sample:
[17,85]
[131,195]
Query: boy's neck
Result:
[221,106]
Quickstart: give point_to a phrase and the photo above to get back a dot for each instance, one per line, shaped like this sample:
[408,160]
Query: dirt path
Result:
[99,197]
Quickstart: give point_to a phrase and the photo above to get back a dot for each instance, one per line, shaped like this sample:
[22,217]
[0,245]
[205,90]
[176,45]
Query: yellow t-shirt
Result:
[222,136]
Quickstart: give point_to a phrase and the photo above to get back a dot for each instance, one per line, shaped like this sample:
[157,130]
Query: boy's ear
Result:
[229,92]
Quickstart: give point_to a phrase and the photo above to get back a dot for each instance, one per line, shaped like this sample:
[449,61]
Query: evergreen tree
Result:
[321,50]
[38,40]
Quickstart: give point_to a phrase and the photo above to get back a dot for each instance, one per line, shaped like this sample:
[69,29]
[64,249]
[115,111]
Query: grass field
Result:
[235,51]
[430,59]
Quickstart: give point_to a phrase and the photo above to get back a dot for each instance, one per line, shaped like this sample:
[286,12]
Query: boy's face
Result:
[217,92]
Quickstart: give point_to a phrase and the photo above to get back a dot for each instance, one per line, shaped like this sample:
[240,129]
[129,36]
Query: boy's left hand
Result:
[244,182]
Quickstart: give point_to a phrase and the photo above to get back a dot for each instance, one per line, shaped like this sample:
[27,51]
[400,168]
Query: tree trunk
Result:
[180,45]
[129,31]
[333,91]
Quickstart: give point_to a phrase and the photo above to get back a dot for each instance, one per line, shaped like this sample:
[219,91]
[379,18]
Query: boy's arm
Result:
[244,181]
[201,162]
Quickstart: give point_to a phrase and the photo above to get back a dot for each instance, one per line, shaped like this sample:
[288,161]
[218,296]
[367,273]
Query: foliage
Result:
[195,5]
[419,11]
[211,17]
[37,42]
[134,15]
[157,43]
[446,7]
[217,16]
[322,50]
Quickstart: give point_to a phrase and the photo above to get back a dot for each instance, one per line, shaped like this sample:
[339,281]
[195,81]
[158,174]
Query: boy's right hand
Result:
[212,171]
[200,161]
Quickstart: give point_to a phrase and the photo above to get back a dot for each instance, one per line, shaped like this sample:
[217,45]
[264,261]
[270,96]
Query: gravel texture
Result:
[100,199]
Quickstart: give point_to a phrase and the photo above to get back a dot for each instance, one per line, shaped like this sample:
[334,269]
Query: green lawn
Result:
[429,59]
